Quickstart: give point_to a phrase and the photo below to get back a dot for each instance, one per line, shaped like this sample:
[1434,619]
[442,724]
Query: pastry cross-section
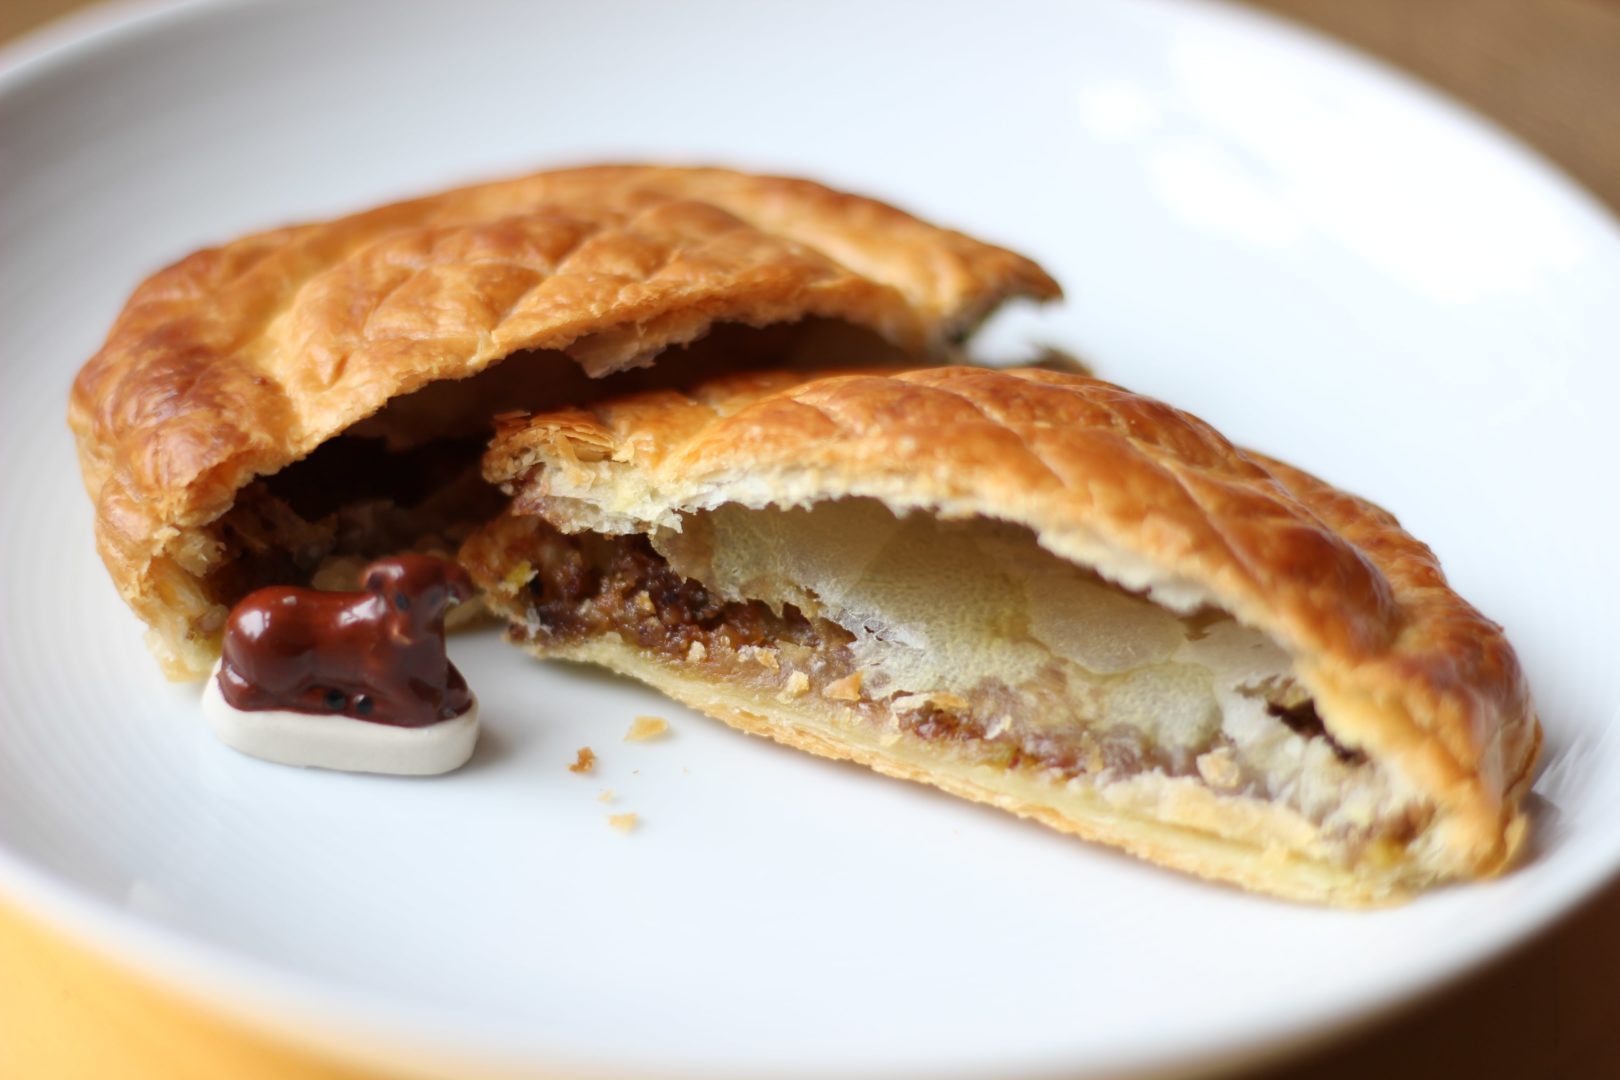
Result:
[1039,591]
[373,350]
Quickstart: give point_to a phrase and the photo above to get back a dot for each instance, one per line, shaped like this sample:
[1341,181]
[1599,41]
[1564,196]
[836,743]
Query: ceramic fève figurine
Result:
[358,681]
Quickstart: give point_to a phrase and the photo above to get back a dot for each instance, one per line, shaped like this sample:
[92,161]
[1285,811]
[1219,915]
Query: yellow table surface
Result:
[1547,69]
[68,1014]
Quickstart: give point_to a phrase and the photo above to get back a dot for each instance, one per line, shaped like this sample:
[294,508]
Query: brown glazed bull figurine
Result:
[376,655]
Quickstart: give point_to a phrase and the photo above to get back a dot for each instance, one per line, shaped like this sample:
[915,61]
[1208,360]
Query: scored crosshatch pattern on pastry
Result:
[242,359]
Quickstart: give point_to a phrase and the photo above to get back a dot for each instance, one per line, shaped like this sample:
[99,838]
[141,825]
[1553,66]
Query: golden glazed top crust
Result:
[241,359]
[1399,665]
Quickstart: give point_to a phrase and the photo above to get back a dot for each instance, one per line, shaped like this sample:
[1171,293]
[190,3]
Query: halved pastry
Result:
[1039,591]
[282,409]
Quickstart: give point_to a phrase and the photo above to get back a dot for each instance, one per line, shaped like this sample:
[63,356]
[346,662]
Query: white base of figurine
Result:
[341,742]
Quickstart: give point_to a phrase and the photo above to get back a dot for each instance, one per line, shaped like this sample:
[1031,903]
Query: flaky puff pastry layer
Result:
[1400,667]
[241,359]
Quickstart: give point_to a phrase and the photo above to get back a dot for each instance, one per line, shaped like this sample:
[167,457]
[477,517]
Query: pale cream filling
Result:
[979,611]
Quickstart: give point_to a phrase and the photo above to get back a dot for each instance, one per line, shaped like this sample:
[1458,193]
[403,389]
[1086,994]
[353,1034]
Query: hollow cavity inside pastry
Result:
[1038,591]
[407,478]
[282,408]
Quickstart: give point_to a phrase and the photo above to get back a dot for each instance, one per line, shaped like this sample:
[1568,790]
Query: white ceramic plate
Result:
[1314,254]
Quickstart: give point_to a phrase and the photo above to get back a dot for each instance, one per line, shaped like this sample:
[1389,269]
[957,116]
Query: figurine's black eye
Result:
[402,601]
[363,705]
[335,699]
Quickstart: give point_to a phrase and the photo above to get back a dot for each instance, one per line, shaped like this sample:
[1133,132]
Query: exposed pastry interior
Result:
[774,554]
[958,634]
[289,404]
[408,478]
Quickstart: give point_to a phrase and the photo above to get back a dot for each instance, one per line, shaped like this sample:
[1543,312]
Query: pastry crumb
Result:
[338,572]
[798,685]
[605,796]
[1219,768]
[907,703]
[623,822]
[646,727]
[519,576]
[765,658]
[584,761]
[846,689]
[696,653]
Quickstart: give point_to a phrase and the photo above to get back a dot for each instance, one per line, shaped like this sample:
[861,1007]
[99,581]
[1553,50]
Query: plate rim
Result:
[362,1027]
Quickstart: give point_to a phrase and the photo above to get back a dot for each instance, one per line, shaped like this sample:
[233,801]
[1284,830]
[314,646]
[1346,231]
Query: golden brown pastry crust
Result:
[241,359]
[1399,665]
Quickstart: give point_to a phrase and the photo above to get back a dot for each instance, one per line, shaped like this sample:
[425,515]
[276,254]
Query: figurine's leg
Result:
[457,697]
[239,693]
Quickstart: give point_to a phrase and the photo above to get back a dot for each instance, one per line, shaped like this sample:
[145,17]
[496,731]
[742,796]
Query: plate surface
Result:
[1322,259]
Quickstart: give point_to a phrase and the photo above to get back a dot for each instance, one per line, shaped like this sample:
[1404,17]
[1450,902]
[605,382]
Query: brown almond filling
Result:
[351,501]
[570,588]
[407,479]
